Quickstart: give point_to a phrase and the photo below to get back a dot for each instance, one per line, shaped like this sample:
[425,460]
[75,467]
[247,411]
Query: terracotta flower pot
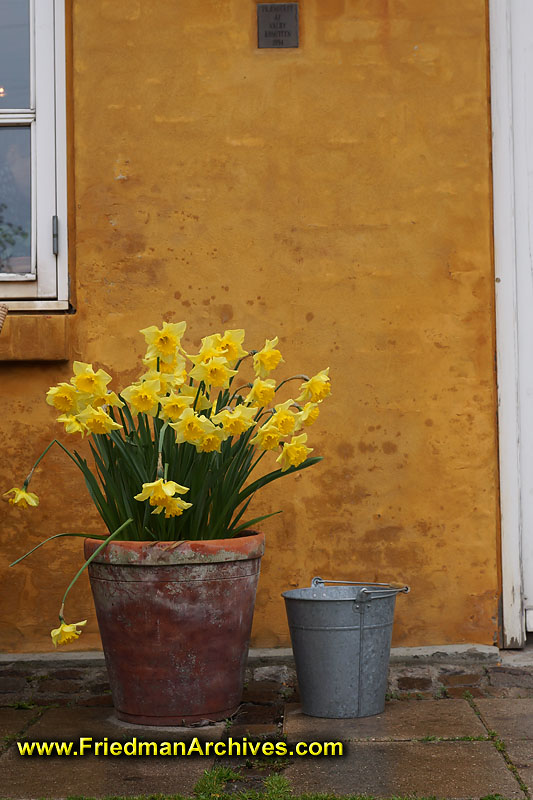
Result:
[175,621]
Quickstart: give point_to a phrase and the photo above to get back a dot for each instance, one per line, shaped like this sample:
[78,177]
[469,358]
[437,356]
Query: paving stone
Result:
[520,751]
[411,683]
[454,770]
[510,676]
[401,720]
[100,776]
[13,720]
[13,684]
[509,717]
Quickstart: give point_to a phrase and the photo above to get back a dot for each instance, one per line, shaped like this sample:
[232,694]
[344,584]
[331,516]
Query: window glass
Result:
[15,200]
[14,54]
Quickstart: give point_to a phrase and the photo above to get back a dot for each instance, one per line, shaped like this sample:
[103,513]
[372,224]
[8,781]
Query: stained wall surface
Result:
[336,195]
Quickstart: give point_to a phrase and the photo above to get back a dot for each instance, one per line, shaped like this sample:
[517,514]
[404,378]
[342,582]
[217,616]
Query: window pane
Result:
[15,200]
[14,54]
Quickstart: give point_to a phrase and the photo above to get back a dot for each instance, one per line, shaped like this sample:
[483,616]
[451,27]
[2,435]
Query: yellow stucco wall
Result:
[337,195]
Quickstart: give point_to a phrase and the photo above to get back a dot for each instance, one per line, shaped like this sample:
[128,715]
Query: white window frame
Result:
[45,287]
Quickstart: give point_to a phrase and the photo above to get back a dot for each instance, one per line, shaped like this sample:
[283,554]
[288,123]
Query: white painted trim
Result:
[36,305]
[506,321]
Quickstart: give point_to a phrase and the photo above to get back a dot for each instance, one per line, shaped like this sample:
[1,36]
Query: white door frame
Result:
[504,157]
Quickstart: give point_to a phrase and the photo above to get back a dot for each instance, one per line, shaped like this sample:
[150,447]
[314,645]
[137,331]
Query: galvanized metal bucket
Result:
[341,637]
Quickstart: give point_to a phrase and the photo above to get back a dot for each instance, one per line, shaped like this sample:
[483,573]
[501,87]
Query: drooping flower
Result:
[214,372]
[191,427]
[173,507]
[72,424]
[98,400]
[67,633]
[294,452]
[159,492]
[64,397]
[284,419]
[235,421]
[96,420]
[262,393]
[87,381]
[163,342]
[267,359]
[21,498]
[316,388]
[144,397]
[173,406]
[267,438]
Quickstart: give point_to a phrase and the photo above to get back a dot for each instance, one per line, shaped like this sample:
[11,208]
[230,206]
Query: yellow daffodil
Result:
[159,492]
[21,498]
[316,388]
[99,400]
[267,359]
[144,397]
[212,440]
[87,381]
[211,347]
[175,367]
[167,381]
[214,372]
[64,397]
[284,419]
[191,427]
[201,402]
[262,393]
[231,345]
[235,421]
[173,406]
[67,633]
[96,420]
[294,452]
[173,507]
[308,415]
[163,342]
[72,424]
[267,438]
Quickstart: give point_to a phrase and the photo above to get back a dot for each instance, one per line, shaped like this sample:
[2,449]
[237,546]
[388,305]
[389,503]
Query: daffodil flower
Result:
[66,633]
[284,419]
[144,397]
[96,420]
[173,406]
[214,372]
[267,359]
[64,397]
[267,438]
[173,507]
[235,421]
[163,342]
[212,440]
[231,345]
[191,427]
[72,424]
[294,452]
[316,388]
[159,492]
[262,393]
[201,402]
[21,498]
[308,415]
[87,381]
[174,367]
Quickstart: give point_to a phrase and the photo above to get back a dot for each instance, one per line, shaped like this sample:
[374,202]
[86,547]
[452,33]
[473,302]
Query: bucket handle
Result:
[380,590]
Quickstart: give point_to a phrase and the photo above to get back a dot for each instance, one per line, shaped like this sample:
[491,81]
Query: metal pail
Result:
[341,637]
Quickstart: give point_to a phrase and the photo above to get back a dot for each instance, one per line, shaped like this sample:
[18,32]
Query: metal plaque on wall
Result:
[277,25]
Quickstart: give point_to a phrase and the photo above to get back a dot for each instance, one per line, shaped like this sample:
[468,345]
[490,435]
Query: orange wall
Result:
[336,195]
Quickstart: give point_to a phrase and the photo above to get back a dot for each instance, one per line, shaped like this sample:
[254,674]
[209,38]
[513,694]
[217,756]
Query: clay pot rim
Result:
[201,551]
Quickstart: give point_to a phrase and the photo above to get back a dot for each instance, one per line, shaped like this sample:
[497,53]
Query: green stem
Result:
[91,558]
[56,536]
[32,470]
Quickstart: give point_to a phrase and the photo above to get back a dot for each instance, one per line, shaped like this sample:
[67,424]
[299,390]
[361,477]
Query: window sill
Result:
[32,337]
